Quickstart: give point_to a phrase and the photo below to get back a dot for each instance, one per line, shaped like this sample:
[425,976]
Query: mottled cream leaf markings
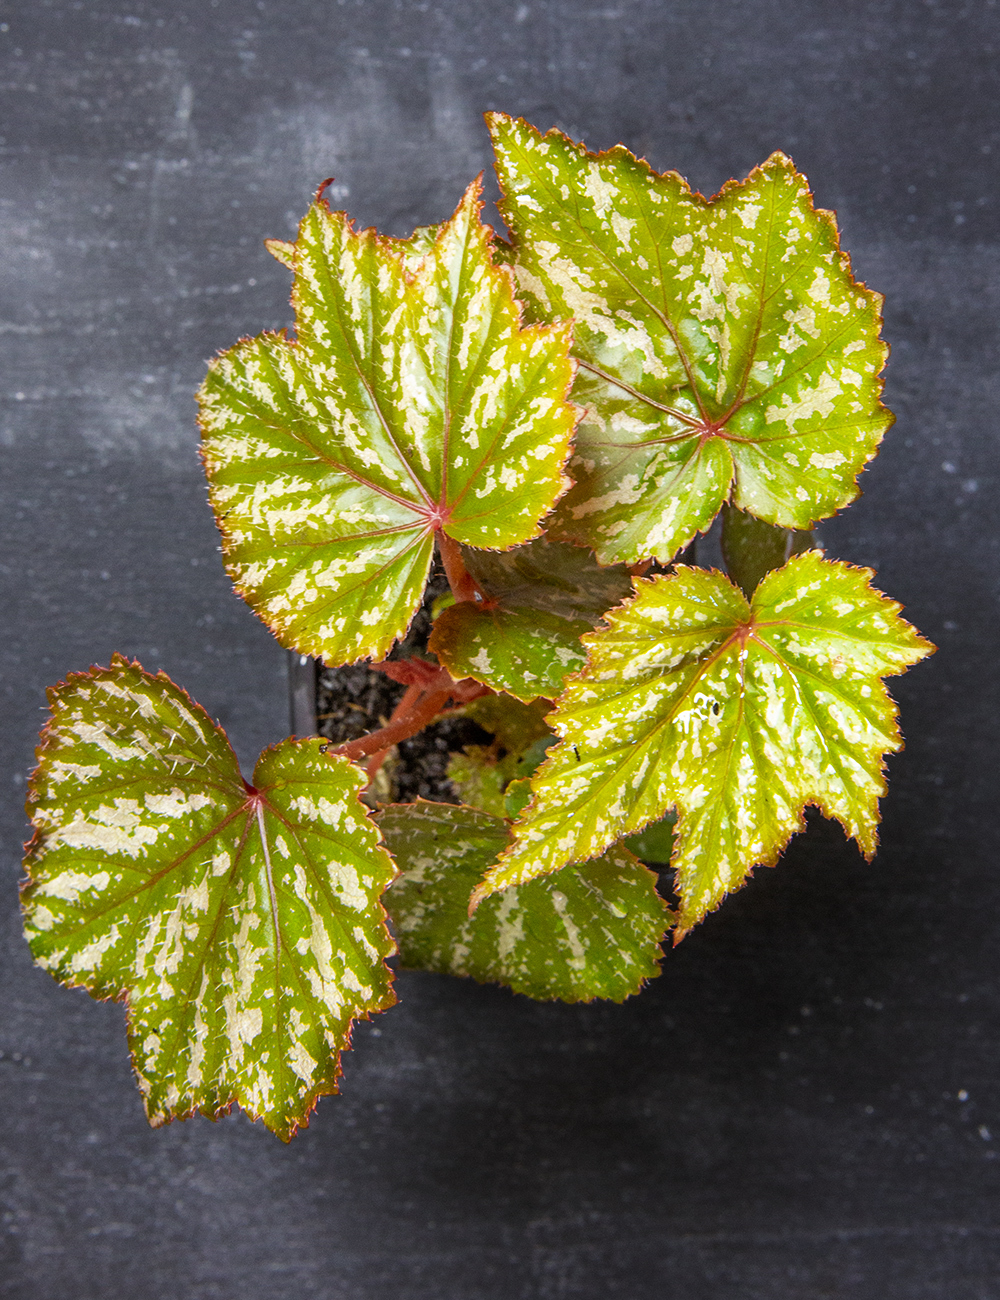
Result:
[713,337]
[738,715]
[522,651]
[583,933]
[241,924]
[718,351]
[411,400]
[525,637]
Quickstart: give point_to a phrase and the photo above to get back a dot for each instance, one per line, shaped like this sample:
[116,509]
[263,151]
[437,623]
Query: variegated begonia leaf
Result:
[411,252]
[412,401]
[736,713]
[586,932]
[241,923]
[516,798]
[726,352]
[525,637]
[521,651]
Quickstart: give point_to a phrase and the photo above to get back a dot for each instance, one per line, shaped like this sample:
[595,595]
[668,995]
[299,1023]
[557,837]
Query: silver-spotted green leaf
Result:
[242,924]
[525,638]
[726,350]
[516,798]
[737,713]
[521,651]
[586,932]
[411,252]
[411,401]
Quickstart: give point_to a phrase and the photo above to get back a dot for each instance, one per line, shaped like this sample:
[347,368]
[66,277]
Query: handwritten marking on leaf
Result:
[726,350]
[738,714]
[585,932]
[241,924]
[412,400]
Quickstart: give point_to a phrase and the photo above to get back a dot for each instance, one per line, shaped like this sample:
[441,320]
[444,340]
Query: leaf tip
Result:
[283,250]
[482,891]
[319,191]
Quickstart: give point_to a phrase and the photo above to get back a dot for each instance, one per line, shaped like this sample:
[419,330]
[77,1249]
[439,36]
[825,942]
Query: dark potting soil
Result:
[355,700]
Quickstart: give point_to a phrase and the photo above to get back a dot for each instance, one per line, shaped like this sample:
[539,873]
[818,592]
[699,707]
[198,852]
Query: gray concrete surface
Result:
[805,1105]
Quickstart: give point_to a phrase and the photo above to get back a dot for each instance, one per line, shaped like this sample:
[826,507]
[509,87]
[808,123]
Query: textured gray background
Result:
[805,1105]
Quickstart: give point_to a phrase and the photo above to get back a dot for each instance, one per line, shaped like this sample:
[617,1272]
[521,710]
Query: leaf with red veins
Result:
[412,400]
[242,924]
[586,932]
[738,714]
[726,351]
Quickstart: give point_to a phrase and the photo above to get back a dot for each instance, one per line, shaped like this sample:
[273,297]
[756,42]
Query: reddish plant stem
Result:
[410,697]
[425,709]
[460,580]
[374,765]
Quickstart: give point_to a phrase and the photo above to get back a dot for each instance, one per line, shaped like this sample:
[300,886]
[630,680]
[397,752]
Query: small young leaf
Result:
[411,401]
[241,924]
[481,778]
[521,651]
[587,932]
[515,725]
[516,798]
[525,638]
[725,349]
[737,714]
[482,773]
[752,548]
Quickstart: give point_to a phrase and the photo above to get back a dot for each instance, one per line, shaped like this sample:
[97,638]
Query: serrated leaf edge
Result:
[47,740]
[777,158]
[485,888]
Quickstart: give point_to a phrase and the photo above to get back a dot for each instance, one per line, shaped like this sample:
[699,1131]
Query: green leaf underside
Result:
[526,640]
[655,842]
[245,932]
[725,349]
[587,932]
[752,548]
[411,398]
[737,714]
[552,577]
